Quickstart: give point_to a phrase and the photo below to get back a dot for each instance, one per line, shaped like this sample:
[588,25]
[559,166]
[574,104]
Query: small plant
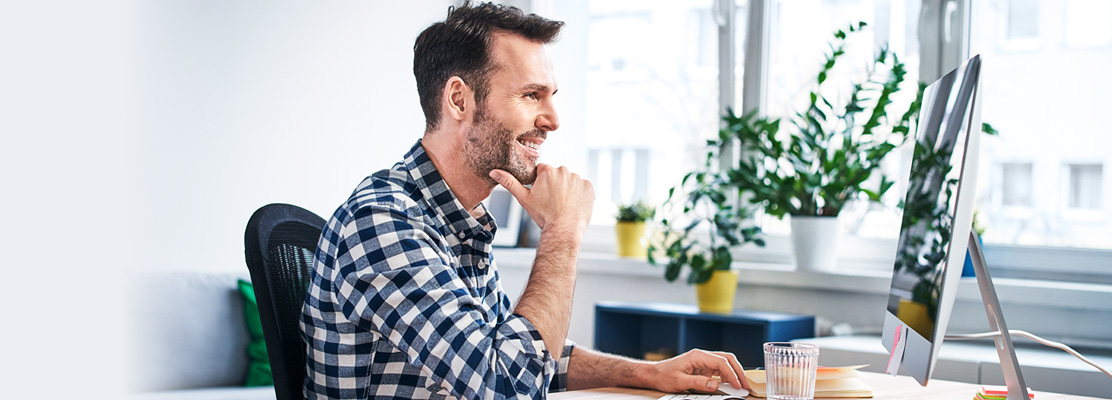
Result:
[635,212]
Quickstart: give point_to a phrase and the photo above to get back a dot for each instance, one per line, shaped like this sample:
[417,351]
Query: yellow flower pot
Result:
[916,316]
[717,294]
[631,239]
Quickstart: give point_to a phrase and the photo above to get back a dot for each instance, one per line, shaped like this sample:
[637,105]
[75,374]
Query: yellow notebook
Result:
[829,382]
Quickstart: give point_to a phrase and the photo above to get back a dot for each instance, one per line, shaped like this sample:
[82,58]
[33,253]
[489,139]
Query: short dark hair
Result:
[460,46]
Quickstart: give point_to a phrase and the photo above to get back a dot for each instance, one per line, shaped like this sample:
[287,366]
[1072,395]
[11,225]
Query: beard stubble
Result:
[490,145]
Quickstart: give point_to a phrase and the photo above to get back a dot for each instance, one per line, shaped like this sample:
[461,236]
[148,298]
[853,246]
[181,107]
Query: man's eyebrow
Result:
[538,87]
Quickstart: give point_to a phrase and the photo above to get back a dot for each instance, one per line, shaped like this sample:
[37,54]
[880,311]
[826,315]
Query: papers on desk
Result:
[829,382]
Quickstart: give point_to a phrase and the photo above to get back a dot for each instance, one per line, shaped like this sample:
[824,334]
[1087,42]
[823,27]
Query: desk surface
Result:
[885,387]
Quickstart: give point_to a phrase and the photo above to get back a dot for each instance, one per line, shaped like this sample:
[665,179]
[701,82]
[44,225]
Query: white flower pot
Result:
[815,242]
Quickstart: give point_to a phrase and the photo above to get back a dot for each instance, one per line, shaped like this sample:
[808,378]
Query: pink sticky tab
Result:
[897,349]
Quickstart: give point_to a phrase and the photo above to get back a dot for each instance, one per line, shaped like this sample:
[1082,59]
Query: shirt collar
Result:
[461,225]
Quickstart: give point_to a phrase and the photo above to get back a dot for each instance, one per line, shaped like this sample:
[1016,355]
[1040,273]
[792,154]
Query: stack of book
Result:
[829,382]
[993,393]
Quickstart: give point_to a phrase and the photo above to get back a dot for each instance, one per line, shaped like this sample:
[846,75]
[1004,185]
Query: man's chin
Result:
[525,172]
[526,178]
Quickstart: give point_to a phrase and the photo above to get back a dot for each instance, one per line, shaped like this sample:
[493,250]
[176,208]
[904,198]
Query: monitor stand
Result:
[1013,377]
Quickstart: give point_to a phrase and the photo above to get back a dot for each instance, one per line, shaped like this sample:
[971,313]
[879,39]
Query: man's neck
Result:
[450,162]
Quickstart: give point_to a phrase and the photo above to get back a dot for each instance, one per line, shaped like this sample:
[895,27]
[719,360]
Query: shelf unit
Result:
[635,329]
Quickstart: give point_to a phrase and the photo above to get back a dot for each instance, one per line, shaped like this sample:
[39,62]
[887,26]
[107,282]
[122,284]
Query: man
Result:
[405,299]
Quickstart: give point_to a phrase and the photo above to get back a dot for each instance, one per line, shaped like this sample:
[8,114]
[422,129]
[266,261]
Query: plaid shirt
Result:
[405,300]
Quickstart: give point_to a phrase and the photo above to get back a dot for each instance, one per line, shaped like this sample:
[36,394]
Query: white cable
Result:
[1028,335]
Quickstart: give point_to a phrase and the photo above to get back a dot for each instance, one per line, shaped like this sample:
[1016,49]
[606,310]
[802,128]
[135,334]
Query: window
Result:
[1016,25]
[650,94]
[1015,187]
[1087,23]
[1023,19]
[648,86]
[1084,186]
[801,33]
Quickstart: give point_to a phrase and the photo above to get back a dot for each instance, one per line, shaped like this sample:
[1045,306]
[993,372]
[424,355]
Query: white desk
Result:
[885,387]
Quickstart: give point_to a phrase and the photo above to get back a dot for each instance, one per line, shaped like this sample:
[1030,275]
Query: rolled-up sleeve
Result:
[560,380]
[397,280]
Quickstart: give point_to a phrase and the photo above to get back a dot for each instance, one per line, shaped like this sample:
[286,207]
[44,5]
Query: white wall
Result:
[63,135]
[243,103]
[142,135]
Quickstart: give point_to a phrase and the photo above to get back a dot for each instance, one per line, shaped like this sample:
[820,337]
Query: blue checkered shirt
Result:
[405,301]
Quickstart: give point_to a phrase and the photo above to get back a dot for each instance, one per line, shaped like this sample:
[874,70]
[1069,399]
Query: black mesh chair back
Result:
[279,246]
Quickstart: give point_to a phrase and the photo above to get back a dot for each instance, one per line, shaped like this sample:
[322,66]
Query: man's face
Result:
[514,120]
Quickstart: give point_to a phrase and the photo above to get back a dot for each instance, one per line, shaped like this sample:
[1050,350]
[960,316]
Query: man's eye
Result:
[531,95]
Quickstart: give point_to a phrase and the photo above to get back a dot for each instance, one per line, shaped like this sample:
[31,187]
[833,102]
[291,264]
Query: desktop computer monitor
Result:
[937,216]
[936,223]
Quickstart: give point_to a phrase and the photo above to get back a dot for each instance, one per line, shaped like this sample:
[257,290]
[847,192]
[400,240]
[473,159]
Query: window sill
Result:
[1079,296]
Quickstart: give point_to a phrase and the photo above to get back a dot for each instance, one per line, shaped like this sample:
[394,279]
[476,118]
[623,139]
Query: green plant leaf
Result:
[988,129]
[672,271]
[723,259]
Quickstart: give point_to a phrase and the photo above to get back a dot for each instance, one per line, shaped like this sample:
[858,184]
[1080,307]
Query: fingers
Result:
[700,383]
[739,372]
[721,364]
[696,369]
[507,180]
[677,375]
[558,201]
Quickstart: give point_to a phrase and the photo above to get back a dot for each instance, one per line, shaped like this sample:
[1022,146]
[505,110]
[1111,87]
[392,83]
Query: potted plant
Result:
[630,228]
[704,221]
[828,155]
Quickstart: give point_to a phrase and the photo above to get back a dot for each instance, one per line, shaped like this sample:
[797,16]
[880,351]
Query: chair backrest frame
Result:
[278,245]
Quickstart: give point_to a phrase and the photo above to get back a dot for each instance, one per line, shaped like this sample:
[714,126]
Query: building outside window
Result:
[1046,101]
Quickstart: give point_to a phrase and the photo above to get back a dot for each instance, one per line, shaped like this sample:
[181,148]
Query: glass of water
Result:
[790,370]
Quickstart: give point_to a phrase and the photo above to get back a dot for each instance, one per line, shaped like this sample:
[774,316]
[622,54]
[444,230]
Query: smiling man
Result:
[405,299]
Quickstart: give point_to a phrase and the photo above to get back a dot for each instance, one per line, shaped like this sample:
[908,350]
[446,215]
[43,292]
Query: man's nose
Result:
[548,121]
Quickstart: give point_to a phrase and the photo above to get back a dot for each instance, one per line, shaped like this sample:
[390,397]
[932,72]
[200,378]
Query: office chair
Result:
[279,246]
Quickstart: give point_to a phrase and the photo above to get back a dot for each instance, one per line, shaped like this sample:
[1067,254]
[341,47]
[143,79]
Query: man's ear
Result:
[459,99]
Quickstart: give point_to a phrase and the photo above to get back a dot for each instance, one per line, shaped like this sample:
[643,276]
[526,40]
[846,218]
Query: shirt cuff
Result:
[521,330]
[560,380]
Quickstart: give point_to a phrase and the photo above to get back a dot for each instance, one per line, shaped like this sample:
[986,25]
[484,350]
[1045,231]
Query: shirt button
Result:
[462,235]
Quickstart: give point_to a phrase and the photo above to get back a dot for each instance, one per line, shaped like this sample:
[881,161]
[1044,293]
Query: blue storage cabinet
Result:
[631,330]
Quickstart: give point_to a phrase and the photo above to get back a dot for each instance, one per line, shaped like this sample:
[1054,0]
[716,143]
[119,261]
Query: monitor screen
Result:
[937,218]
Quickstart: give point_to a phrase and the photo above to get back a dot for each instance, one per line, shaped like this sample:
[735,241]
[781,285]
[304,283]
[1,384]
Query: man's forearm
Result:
[546,301]
[589,369]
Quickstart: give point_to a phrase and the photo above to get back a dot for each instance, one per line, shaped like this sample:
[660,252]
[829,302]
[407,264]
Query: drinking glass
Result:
[790,370]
